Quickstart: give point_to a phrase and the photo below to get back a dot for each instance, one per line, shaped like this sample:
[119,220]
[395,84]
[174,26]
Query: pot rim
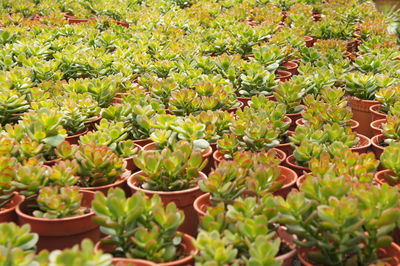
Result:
[18,198]
[56,220]
[132,184]
[122,178]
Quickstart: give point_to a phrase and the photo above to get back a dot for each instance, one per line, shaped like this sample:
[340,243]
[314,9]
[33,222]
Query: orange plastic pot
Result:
[75,138]
[286,147]
[283,75]
[382,177]
[310,40]
[375,112]
[362,114]
[390,253]
[292,164]
[121,183]
[376,147]
[142,142]
[294,117]
[130,165]
[61,233]
[7,213]
[363,144]
[188,249]
[183,199]
[291,67]
[377,126]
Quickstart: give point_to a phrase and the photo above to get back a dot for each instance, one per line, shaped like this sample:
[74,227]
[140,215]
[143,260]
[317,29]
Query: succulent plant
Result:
[389,159]
[80,255]
[388,97]
[58,202]
[170,169]
[256,80]
[12,104]
[290,94]
[139,227]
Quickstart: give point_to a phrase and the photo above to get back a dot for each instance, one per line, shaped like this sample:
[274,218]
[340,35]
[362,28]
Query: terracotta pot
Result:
[283,75]
[183,199]
[391,253]
[201,203]
[246,100]
[353,123]
[292,164]
[362,114]
[309,41]
[76,21]
[363,144]
[294,117]
[218,157]
[381,177]
[92,123]
[142,142]
[288,240]
[7,213]
[130,165]
[187,244]
[289,178]
[351,46]
[317,16]
[123,23]
[63,232]
[51,162]
[206,155]
[286,147]
[375,112]
[300,181]
[121,183]
[376,147]
[291,67]
[234,109]
[75,138]
[377,126]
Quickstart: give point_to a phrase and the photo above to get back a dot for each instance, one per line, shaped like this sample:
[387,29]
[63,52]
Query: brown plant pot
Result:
[75,138]
[381,177]
[292,164]
[291,67]
[121,183]
[92,123]
[392,253]
[201,203]
[142,142]
[375,112]
[377,126]
[63,232]
[286,239]
[51,162]
[289,178]
[376,147]
[234,109]
[246,100]
[187,244]
[283,75]
[183,199]
[76,21]
[286,147]
[130,165]
[363,144]
[353,123]
[123,23]
[218,156]
[294,117]
[362,114]
[300,181]
[310,40]
[7,213]
[206,154]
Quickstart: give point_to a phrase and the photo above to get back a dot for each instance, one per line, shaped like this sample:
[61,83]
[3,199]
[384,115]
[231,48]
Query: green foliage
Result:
[58,202]
[170,169]
[140,227]
[389,160]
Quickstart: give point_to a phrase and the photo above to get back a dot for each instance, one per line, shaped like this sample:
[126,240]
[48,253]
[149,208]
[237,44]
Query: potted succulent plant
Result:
[310,142]
[173,174]
[13,105]
[362,88]
[225,224]
[342,213]
[99,167]
[389,161]
[141,228]
[56,214]
[390,133]
[247,174]
[387,98]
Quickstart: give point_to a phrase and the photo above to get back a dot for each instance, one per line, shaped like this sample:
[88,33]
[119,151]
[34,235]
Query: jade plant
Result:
[290,94]
[391,129]
[256,80]
[139,227]
[310,141]
[253,174]
[84,254]
[12,105]
[172,169]
[59,202]
[247,225]
[326,211]
[216,124]
[98,165]
[389,160]
[388,97]
[7,175]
